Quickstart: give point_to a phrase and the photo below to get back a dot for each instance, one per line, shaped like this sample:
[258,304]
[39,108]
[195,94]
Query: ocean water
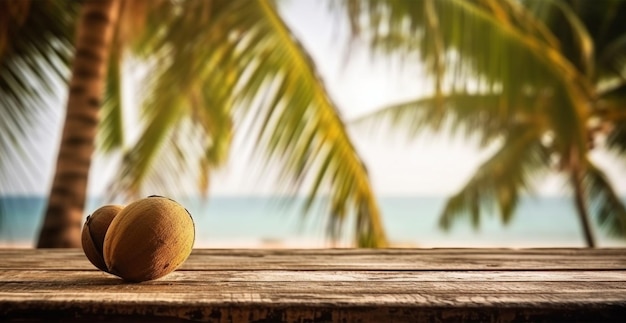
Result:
[253,222]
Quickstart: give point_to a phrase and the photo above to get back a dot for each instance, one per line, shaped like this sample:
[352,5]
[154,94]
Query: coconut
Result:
[148,239]
[94,232]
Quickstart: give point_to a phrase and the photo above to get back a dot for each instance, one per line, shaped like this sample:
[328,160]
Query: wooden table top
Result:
[345,285]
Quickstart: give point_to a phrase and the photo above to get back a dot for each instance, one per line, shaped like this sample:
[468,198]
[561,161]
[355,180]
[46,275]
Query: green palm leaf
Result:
[575,42]
[480,40]
[613,118]
[604,201]
[553,69]
[300,125]
[111,127]
[470,113]
[184,82]
[35,48]
[499,180]
[227,56]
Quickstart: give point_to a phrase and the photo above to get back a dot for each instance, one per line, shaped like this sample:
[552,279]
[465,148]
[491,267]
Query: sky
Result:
[429,165]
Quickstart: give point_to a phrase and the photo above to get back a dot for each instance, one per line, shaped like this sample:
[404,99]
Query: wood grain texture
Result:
[400,285]
[349,259]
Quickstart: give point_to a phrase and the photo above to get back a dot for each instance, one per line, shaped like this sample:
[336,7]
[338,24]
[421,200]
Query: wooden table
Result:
[400,285]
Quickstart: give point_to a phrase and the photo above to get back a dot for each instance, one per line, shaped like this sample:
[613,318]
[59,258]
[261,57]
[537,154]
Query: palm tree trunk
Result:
[64,213]
[579,199]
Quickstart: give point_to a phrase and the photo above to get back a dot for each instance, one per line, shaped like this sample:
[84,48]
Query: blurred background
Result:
[309,124]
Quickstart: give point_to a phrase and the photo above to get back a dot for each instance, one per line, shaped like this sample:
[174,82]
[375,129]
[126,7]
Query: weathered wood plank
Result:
[325,285]
[145,297]
[177,290]
[346,293]
[88,312]
[341,259]
[315,307]
[190,277]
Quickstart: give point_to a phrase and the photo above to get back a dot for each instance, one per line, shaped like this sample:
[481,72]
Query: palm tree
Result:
[208,62]
[542,81]
[64,213]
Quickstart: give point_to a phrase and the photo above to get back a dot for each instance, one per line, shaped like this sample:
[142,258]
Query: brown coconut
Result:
[148,239]
[94,231]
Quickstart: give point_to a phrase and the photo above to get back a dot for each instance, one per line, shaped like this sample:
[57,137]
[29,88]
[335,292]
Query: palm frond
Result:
[130,30]
[300,126]
[35,49]
[488,48]
[485,115]
[500,179]
[613,57]
[575,41]
[182,82]
[604,21]
[482,37]
[222,55]
[111,126]
[139,160]
[173,167]
[605,203]
[612,115]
